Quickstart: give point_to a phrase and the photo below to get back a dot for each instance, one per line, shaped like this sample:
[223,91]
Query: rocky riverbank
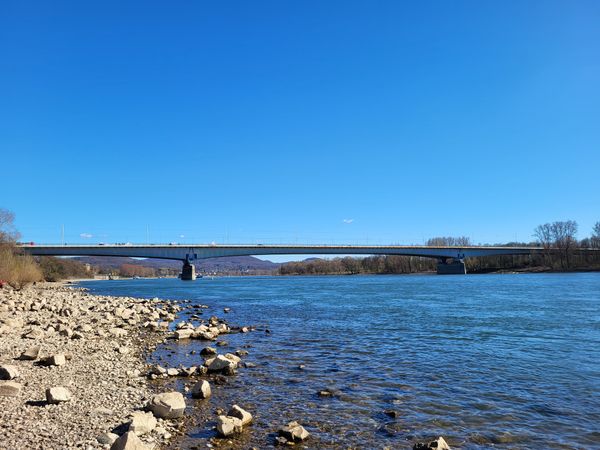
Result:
[74,375]
[72,367]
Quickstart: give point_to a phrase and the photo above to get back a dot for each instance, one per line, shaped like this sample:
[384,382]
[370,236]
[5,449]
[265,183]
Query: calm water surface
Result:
[503,361]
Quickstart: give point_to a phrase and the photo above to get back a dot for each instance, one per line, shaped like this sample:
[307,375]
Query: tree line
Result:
[562,251]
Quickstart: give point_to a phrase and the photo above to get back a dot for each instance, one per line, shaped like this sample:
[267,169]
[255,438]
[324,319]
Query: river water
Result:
[503,361]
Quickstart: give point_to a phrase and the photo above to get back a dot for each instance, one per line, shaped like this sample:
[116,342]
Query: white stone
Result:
[441,444]
[227,426]
[55,360]
[9,389]
[57,394]
[236,359]
[118,332]
[169,405]
[107,438]
[184,333]
[129,441]
[8,372]
[142,422]
[31,353]
[294,432]
[241,414]
[201,390]
[219,363]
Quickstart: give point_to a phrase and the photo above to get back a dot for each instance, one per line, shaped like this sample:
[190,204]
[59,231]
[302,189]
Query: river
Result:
[509,361]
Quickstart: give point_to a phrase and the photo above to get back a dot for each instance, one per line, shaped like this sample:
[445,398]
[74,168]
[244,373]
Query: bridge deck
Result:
[202,251]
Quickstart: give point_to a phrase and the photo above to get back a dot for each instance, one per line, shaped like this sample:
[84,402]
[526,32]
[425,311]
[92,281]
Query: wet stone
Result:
[438,444]
[201,389]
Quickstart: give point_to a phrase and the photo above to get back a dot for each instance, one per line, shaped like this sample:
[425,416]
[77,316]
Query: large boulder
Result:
[236,359]
[241,414]
[169,405]
[142,422]
[129,441]
[57,394]
[227,425]
[184,333]
[201,389]
[8,372]
[208,351]
[294,432]
[9,389]
[219,363]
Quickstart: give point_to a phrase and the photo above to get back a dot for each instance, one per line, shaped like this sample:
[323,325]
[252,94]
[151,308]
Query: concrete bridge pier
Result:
[188,271]
[456,267]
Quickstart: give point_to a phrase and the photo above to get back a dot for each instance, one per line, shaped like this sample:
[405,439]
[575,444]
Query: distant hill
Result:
[224,264]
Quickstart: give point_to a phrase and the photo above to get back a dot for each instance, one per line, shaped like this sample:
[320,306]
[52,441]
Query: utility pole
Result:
[62,235]
[147,235]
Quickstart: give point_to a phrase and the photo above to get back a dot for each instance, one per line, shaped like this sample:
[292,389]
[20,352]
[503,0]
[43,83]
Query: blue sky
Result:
[309,122]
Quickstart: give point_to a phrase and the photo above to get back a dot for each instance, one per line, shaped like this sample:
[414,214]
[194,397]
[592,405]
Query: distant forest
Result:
[563,252]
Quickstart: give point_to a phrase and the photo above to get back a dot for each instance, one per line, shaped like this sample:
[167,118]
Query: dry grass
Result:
[17,270]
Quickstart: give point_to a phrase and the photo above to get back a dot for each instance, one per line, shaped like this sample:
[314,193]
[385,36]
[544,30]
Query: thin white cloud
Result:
[348,220]
[181,236]
[86,235]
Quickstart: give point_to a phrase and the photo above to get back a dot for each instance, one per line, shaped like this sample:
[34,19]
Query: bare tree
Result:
[8,234]
[595,240]
[543,233]
[564,237]
[449,241]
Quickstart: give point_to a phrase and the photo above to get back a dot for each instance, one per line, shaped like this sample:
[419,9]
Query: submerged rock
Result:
[391,413]
[294,432]
[208,351]
[438,444]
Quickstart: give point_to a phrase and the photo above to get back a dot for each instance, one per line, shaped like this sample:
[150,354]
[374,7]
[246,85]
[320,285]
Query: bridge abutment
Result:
[456,267]
[188,272]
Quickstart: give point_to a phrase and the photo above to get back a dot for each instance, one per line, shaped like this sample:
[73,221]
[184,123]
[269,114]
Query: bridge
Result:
[450,259]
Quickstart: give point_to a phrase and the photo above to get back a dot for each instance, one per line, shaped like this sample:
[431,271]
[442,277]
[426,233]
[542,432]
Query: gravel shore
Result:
[94,347]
